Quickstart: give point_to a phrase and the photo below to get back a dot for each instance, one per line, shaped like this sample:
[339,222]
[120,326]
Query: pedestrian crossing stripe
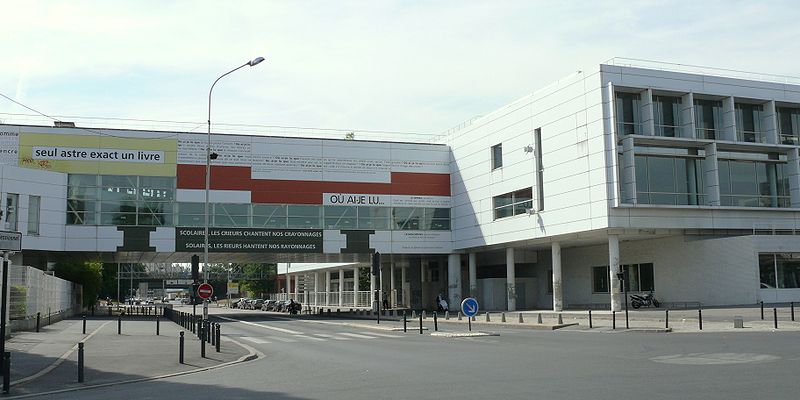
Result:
[282,339]
[254,340]
[311,338]
[381,334]
[326,336]
[356,335]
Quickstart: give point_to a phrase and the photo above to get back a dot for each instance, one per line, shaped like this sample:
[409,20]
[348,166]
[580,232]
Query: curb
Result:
[252,355]
[463,334]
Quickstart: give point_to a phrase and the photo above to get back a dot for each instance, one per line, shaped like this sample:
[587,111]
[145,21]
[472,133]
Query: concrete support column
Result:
[424,290]
[316,289]
[711,167]
[769,122]
[613,262]
[794,176]
[372,289]
[511,278]
[628,171]
[392,287]
[355,287]
[473,274]
[454,281]
[341,287]
[648,120]
[558,299]
[327,288]
[406,293]
[687,116]
[728,120]
[296,286]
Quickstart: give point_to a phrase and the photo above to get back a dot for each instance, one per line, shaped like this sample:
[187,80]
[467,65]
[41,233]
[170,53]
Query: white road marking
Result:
[355,335]
[331,336]
[254,340]
[311,338]
[289,331]
[381,334]
[283,339]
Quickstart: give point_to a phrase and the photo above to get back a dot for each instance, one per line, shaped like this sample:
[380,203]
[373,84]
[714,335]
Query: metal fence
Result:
[33,291]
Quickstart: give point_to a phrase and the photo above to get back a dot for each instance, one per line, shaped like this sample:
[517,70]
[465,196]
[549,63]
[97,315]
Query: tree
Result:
[259,279]
[88,274]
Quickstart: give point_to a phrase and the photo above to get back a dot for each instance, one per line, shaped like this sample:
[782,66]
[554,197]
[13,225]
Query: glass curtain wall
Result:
[708,118]
[754,184]
[667,115]
[789,125]
[780,270]
[748,123]
[669,180]
[629,118]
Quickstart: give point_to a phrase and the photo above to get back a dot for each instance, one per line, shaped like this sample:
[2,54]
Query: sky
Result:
[416,67]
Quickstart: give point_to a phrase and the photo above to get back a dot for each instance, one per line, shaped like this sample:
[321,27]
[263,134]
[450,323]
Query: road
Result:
[323,359]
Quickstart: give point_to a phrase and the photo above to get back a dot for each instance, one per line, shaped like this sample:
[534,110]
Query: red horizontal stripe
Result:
[307,192]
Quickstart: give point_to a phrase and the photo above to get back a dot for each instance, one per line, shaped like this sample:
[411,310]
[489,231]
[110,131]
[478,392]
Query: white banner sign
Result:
[384,200]
[93,154]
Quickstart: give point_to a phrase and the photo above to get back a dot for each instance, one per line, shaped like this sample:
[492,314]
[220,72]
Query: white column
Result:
[341,286]
[296,286]
[403,286]
[392,289]
[687,116]
[794,177]
[728,120]
[511,278]
[454,281]
[558,299]
[648,122]
[628,171]
[327,288]
[613,262]
[769,122]
[316,289]
[711,173]
[473,274]
[355,287]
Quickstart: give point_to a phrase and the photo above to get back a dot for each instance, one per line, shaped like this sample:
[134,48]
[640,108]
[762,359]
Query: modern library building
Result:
[686,178]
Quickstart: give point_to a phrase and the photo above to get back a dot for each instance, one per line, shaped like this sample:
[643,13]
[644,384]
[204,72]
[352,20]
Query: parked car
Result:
[268,304]
[256,304]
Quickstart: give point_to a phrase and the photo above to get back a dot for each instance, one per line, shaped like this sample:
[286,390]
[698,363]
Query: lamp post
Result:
[250,63]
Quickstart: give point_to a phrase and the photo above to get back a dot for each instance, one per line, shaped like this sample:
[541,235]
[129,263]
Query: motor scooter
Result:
[647,300]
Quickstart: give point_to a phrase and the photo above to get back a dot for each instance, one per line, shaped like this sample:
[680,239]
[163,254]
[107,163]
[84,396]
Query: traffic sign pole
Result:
[469,307]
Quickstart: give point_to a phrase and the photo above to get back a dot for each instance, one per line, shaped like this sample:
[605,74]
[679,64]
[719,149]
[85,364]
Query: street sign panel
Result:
[205,290]
[10,241]
[469,307]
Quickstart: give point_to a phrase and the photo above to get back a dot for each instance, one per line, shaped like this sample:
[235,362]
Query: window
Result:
[120,200]
[514,203]
[667,115]
[780,270]
[12,205]
[34,203]
[669,180]
[708,118]
[497,156]
[628,113]
[600,280]
[748,123]
[753,184]
[789,125]
[640,278]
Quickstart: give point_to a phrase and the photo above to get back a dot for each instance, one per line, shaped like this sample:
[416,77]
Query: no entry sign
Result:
[205,290]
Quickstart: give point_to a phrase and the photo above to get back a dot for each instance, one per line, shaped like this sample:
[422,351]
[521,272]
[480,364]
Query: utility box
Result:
[738,322]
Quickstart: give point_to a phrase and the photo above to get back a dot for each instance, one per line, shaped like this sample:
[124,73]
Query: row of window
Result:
[514,203]
[131,200]
[669,119]
[681,181]
[12,212]
[520,201]
[640,278]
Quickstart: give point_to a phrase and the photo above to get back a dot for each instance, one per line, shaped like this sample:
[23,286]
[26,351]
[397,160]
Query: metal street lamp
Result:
[209,156]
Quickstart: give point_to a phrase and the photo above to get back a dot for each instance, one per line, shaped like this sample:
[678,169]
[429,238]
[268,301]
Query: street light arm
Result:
[212,89]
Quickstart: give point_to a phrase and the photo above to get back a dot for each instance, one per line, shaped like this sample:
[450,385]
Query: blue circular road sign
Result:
[469,307]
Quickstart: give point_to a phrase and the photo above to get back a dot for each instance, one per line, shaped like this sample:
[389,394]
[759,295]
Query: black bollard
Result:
[208,331]
[119,325]
[792,305]
[158,327]
[38,321]
[202,341]
[435,323]
[762,310]
[405,322]
[775,317]
[84,324]
[700,318]
[613,319]
[80,362]
[420,323]
[93,310]
[666,319]
[590,319]
[218,338]
[180,348]
[213,329]
[6,372]
[109,311]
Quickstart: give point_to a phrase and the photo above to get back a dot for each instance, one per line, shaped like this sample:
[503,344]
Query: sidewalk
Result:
[47,361]
[651,320]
